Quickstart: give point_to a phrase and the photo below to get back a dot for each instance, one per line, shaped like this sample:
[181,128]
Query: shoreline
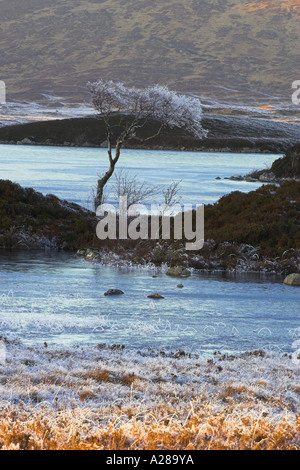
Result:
[109,259]
[245,150]
[13,346]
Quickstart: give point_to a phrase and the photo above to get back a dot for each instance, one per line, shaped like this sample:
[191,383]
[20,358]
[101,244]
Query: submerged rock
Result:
[292,279]
[114,292]
[178,271]
[155,296]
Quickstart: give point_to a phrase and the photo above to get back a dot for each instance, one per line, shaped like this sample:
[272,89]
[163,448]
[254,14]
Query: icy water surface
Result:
[59,298]
[71,173]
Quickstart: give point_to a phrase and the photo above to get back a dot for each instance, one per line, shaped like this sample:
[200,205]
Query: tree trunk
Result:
[101,184]
[102,181]
[124,137]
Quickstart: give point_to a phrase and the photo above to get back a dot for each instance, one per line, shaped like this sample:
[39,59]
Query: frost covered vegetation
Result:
[258,231]
[105,397]
[135,107]
[31,220]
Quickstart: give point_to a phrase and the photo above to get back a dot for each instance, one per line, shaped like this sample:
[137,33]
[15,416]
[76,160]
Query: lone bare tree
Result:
[135,107]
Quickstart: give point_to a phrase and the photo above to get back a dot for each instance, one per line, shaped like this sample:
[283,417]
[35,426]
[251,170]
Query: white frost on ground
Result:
[49,109]
[107,375]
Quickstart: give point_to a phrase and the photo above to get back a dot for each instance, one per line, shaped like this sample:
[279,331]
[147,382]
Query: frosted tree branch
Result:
[136,107]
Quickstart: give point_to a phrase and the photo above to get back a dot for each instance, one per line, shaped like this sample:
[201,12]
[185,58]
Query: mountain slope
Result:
[230,48]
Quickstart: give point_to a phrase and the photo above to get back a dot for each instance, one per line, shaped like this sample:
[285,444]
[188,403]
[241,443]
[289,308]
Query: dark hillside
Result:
[225,133]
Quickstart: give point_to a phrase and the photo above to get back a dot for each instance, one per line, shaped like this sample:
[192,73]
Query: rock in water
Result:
[180,286]
[114,292]
[267,177]
[155,296]
[90,255]
[178,271]
[292,279]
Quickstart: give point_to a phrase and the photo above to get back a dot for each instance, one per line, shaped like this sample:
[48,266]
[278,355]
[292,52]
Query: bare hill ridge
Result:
[230,48]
